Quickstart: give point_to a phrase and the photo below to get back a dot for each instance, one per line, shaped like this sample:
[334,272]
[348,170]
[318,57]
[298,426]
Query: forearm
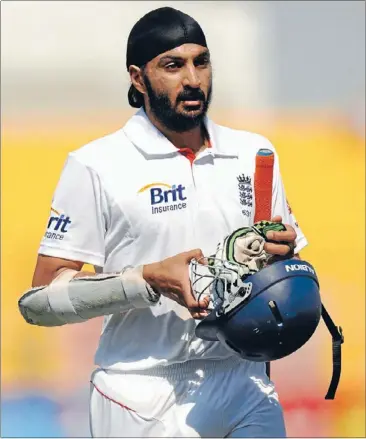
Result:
[49,267]
[85,274]
[74,297]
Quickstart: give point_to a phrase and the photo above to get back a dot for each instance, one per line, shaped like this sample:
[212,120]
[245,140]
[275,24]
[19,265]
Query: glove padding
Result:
[238,256]
[245,246]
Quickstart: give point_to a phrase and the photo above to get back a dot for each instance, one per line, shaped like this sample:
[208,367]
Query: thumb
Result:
[277,219]
[194,254]
[191,299]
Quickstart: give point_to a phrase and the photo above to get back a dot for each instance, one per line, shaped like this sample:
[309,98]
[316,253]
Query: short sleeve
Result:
[280,206]
[76,228]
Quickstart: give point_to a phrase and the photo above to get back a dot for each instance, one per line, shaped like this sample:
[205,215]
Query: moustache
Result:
[191,95]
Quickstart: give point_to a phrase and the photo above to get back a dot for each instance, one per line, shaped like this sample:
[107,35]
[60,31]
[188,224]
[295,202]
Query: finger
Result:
[180,299]
[203,261]
[190,300]
[194,304]
[277,219]
[177,298]
[194,254]
[276,249]
[287,236]
[199,315]
[204,302]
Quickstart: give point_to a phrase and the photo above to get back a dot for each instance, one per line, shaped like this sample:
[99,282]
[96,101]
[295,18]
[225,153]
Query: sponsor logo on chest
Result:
[164,197]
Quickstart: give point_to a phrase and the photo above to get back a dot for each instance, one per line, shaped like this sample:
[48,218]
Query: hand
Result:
[170,278]
[282,248]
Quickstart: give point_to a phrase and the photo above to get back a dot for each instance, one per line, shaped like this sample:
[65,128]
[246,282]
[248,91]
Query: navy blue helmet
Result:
[267,315]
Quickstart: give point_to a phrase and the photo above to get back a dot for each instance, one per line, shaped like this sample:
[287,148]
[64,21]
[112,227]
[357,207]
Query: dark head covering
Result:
[157,32]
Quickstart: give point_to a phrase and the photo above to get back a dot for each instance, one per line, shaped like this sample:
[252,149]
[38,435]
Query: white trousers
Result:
[195,399]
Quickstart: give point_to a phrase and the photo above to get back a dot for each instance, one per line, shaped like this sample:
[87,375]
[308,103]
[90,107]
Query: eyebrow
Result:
[179,58]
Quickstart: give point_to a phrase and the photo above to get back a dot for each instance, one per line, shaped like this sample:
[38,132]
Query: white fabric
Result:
[210,399]
[105,195]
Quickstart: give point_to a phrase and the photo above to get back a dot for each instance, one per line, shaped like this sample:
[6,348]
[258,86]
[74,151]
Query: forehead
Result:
[185,51]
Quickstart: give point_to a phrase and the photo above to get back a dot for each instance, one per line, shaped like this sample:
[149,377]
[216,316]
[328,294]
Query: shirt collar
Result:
[153,144]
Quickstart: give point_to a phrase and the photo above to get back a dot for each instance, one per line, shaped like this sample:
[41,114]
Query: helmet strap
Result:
[337,340]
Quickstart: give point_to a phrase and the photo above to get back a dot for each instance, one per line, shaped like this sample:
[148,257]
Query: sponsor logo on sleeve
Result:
[164,197]
[58,225]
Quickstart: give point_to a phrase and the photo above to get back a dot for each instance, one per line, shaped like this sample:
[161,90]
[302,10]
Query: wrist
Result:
[147,273]
[137,288]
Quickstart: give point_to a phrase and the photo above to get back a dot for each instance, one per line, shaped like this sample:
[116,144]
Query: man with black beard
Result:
[168,113]
[140,204]
[171,77]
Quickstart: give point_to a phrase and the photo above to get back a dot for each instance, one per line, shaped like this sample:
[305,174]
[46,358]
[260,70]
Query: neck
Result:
[193,139]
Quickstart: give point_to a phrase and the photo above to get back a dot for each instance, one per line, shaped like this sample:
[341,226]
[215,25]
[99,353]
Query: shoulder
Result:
[245,143]
[99,153]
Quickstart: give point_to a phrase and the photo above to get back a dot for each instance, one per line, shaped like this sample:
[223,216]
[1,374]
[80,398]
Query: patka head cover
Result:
[161,30]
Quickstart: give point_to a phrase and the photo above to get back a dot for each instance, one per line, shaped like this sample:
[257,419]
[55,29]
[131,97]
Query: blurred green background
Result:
[292,71]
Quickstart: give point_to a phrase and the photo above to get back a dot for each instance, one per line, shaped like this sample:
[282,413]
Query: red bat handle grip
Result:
[263,179]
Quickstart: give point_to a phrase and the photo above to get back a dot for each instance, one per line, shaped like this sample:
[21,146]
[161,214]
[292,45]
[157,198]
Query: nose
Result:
[191,77]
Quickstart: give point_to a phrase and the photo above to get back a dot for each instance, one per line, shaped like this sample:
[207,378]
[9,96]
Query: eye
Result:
[202,61]
[172,65]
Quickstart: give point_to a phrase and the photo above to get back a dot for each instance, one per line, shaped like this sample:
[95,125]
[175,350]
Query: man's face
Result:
[179,86]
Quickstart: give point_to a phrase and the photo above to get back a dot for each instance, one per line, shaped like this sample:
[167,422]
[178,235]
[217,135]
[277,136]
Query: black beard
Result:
[168,115]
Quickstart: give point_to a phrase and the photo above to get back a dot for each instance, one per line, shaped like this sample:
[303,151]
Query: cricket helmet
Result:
[264,316]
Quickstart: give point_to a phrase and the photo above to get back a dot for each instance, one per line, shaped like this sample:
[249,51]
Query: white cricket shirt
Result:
[132,198]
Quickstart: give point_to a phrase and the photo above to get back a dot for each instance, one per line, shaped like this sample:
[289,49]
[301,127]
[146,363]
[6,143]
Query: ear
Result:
[136,78]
